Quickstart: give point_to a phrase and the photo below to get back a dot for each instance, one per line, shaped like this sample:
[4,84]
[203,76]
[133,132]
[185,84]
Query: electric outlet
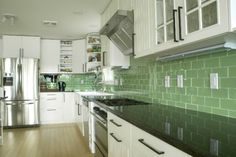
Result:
[167,81]
[81,81]
[167,128]
[180,133]
[180,81]
[214,81]
[214,147]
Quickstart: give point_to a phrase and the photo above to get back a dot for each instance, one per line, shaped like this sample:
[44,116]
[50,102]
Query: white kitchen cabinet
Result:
[118,137]
[50,53]
[27,45]
[111,55]
[69,107]
[167,24]
[112,7]
[142,27]
[146,145]
[233,14]
[57,108]
[78,56]
[51,108]
[79,112]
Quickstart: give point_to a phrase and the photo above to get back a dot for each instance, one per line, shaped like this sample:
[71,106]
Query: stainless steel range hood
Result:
[120,30]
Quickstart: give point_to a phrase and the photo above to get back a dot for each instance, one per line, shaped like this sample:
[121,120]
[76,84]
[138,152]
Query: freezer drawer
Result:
[21,113]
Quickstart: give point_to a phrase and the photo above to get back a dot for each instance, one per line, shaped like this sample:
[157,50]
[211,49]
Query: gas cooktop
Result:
[121,102]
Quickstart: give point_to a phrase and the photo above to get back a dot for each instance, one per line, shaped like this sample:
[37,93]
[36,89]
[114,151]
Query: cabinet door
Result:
[111,55]
[78,59]
[146,145]
[51,110]
[141,27]
[50,52]
[125,4]
[11,46]
[31,47]
[69,107]
[118,137]
[202,19]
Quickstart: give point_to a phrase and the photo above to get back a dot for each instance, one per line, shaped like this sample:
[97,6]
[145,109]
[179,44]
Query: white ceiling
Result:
[75,17]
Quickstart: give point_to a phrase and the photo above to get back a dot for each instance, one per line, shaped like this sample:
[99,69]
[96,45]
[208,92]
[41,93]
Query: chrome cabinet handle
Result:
[116,124]
[117,140]
[180,25]
[150,147]
[174,26]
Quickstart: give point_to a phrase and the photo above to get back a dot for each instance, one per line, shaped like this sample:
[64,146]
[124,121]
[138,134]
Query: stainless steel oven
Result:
[100,127]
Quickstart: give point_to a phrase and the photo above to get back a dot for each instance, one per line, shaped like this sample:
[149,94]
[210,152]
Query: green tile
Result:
[212,63]
[191,107]
[204,109]
[198,100]
[212,102]
[232,93]
[191,91]
[204,92]
[232,71]
[219,111]
[229,104]
[228,60]
[197,82]
[220,93]
[232,114]
[228,82]
[198,64]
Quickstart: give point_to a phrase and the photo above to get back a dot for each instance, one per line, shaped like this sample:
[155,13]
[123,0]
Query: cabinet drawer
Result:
[51,115]
[151,146]
[119,127]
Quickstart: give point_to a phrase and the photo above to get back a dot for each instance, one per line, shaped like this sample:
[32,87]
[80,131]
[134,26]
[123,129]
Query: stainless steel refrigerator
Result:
[20,85]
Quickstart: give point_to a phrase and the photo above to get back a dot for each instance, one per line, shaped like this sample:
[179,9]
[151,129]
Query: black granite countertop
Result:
[190,131]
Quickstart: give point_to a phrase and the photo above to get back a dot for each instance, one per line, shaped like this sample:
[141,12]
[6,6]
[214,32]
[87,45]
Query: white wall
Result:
[0,47]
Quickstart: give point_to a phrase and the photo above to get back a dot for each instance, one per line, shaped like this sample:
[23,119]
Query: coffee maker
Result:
[62,86]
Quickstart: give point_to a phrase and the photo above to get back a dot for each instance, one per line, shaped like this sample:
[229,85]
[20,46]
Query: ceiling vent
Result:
[50,23]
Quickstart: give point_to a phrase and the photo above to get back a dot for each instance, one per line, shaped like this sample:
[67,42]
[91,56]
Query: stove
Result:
[121,102]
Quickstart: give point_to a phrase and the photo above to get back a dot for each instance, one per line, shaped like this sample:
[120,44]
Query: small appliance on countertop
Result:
[61,86]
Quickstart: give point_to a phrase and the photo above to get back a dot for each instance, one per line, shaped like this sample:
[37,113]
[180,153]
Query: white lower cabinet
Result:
[118,137]
[146,145]
[126,140]
[56,108]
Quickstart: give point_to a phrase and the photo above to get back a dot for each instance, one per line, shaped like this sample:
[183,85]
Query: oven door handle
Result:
[102,122]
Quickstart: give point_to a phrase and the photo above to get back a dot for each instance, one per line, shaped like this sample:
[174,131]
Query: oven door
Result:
[101,141]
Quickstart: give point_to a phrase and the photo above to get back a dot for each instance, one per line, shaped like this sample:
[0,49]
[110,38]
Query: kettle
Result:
[62,86]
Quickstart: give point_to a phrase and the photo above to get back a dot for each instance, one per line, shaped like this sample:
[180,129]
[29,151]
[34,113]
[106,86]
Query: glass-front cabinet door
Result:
[203,18]
[180,22]
[164,20]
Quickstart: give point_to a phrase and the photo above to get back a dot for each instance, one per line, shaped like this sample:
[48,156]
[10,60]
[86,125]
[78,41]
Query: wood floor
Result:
[45,141]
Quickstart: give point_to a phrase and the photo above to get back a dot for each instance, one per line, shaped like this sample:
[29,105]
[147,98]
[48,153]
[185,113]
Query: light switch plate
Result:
[167,81]
[214,81]
[180,81]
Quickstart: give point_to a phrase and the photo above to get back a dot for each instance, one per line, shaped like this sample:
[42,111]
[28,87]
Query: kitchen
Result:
[118,78]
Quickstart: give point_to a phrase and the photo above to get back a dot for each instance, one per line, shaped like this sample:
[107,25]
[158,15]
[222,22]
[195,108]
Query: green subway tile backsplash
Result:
[145,81]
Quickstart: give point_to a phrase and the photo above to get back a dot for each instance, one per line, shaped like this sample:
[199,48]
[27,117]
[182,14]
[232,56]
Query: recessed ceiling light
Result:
[50,23]
[78,12]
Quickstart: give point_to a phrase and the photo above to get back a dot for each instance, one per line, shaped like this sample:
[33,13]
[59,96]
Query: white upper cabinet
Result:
[50,53]
[78,56]
[180,22]
[111,55]
[142,32]
[112,7]
[161,25]
[14,45]
[233,14]
[201,19]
